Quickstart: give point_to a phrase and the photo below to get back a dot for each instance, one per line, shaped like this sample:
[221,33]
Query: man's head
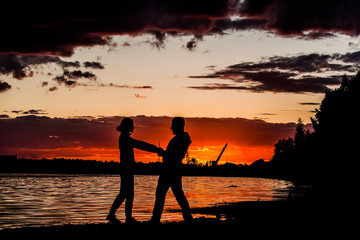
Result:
[177,125]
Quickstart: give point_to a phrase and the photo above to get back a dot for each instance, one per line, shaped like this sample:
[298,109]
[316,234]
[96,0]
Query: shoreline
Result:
[12,164]
[232,215]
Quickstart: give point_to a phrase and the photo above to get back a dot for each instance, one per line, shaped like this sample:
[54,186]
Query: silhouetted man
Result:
[170,175]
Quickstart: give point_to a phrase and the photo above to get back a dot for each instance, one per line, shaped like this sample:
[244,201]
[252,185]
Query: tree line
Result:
[325,156]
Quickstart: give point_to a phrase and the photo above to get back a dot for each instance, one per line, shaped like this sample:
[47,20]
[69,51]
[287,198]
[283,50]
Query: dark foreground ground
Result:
[291,216]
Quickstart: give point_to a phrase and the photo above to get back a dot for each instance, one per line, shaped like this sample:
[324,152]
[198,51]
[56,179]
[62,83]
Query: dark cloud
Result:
[192,44]
[316,35]
[298,17]
[219,86]
[306,73]
[30,112]
[285,82]
[11,65]
[83,23]
[19,66]
[17,111]
[79,74]
[268,114]
[222,25]
[52,89]
[123,86]
[141,87]
[94,65]
[63,80]
[309,103]
[158,40]
[29,60]
[35,112]
[38,29]
[22,66]
[69,78]
[72,75]
[276,82]
[4,86]
[353,57]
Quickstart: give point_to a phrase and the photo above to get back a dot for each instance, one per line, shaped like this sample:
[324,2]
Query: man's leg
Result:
[178,192]
[161,190]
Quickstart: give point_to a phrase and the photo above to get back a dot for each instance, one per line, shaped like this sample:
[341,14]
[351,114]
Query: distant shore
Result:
[12,164]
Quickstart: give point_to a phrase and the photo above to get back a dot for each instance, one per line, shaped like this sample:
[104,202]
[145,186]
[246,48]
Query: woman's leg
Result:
[129,195]
[124,189]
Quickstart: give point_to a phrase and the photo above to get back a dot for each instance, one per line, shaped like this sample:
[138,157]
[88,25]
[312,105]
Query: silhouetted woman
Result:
[127,165]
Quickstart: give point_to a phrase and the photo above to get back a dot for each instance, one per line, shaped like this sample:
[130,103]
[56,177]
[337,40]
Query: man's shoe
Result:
[152,221]
[131,220]
[112,219]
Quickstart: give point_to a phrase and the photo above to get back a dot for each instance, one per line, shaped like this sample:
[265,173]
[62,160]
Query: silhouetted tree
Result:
[283,159]
[326,156]
[299,138]
[335,121]
[284,146]
[337,132]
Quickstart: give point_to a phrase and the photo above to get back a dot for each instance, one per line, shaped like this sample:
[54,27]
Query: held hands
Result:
[160,152]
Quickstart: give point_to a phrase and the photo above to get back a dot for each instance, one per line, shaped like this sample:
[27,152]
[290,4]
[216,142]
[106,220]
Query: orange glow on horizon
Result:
[203,154]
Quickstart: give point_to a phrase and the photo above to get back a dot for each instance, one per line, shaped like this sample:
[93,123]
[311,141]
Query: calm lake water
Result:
[56,199]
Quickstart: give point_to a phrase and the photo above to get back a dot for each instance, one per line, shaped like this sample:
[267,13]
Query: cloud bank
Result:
[96,138]
[56,29]
[73,73]
[285,74]
[4,86]
[305,17]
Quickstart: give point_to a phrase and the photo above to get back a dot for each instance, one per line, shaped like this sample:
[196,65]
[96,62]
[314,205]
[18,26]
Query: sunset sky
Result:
[240,72]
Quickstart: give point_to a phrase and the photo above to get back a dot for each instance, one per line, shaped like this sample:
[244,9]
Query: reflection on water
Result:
[53,199]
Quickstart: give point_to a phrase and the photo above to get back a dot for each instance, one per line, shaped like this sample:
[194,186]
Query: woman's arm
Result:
[144,146]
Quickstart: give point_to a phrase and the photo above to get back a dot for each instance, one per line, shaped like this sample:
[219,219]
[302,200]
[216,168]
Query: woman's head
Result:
[126,125]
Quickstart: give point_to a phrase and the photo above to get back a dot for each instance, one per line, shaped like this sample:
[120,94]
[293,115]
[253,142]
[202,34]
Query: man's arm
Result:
[161,152]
